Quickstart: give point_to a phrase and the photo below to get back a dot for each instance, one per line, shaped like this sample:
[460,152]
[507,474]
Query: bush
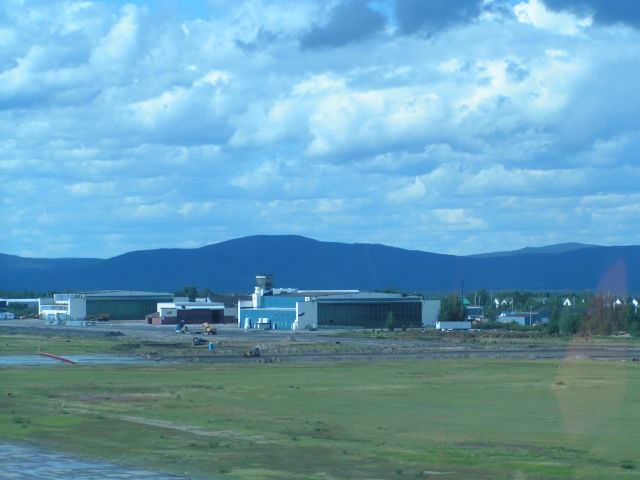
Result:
[390,322]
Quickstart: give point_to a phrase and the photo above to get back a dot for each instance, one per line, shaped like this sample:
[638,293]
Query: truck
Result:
[451,326]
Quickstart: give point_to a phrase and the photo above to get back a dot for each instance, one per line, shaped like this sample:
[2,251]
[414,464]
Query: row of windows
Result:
[122,309]
[372,315]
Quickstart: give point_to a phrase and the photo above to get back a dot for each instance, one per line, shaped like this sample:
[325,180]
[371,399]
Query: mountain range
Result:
[304,263]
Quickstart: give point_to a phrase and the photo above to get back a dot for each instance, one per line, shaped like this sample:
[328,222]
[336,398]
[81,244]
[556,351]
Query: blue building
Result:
[292,309]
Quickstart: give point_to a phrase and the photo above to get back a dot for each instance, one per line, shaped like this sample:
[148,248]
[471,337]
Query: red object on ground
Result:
[58,357]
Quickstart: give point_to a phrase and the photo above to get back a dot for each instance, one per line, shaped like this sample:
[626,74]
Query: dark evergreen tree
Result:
[451,309]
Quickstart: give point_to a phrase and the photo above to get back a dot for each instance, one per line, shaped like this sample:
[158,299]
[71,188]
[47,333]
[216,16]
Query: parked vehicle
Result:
[181,327]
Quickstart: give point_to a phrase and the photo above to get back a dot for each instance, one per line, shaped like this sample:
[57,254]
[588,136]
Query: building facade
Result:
[200,311]
[293,309]
[108,304]
[524,319]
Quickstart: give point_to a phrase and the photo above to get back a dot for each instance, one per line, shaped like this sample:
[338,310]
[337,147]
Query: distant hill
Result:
[304,263]
[557,248]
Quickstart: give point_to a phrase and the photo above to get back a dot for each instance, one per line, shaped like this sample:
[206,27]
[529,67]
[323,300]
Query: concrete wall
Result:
[430,311]
[275,301]
[167,311]
[281,319]
[306,315]
[243,304]
[77,308]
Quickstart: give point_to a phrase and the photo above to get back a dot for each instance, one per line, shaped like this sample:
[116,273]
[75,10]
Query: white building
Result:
[170,309]
[65,306]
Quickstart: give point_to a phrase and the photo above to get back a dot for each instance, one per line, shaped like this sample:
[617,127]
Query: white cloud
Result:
[413,191]
[265,175]
[195,209]
[330,205]
[534,12]
[146,211]
[459,218]
[91,189]
[450,66]
[264,125]
[214,78]
[370,119]
[319,84]
[119,44]
[142,121]
[152,110]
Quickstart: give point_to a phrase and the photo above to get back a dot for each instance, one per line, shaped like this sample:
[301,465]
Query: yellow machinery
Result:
[208,329]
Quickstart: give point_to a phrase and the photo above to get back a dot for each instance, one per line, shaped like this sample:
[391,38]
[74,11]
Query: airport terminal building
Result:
[292,309]
[114,304]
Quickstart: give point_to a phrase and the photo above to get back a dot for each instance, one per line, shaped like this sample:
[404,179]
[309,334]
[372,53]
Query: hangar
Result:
[111,304]
[288,308]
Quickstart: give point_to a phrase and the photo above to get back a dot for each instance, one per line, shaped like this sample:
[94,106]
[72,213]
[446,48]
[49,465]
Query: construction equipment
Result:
[181,327]
[253,352]
[208,329]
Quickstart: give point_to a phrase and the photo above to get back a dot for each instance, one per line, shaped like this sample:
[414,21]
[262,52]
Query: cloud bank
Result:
[455,127]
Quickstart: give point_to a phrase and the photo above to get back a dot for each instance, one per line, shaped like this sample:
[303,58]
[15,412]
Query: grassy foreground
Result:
[426,419]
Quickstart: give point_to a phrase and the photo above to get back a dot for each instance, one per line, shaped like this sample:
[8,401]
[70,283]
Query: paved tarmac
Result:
[39,360]
[24,462]
[370,349]
[364,348]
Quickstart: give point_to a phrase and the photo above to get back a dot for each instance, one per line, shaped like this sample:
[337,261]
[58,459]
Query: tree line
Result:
[583,313]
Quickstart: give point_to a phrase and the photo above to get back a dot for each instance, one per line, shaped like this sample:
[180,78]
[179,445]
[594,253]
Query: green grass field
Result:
[481,419]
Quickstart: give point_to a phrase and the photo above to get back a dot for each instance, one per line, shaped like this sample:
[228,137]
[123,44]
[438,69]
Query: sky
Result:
[455,127]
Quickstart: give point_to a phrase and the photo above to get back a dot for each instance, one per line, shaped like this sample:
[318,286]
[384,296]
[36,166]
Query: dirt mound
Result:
[59,331]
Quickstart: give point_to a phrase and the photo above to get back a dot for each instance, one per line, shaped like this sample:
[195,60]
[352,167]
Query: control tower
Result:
[264,284]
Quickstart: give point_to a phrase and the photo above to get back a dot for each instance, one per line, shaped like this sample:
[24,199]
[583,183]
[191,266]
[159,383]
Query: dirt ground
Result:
[163,343]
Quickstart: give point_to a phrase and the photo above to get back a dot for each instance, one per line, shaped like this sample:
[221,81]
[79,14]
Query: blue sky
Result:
[454,127]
